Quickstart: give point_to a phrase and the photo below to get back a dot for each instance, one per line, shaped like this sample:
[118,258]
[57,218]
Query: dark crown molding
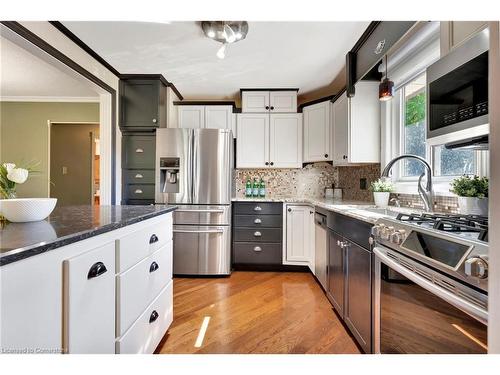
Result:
[153,76]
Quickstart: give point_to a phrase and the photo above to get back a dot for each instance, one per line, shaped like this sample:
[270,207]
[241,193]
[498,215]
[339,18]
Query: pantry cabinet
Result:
[269,141]
[269,101]
[317,139]
[206,117]
[299,249]
[356,126]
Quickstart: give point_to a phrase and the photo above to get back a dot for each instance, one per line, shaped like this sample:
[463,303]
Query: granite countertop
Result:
[355,209]
[69,224]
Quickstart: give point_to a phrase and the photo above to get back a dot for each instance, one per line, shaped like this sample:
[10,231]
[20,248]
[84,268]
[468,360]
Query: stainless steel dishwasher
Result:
[321,248]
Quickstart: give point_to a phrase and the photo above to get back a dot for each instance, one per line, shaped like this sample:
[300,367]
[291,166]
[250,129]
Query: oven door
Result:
[202,250]
[413,315]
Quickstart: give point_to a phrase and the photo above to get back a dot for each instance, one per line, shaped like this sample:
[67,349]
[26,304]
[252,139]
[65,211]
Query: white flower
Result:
[9,166]
[18,175]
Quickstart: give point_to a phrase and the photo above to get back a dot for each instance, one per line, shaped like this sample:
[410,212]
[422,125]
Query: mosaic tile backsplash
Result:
[446,204]
[311,180]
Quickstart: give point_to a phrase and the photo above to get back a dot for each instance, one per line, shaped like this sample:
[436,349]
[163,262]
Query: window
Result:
[445,163]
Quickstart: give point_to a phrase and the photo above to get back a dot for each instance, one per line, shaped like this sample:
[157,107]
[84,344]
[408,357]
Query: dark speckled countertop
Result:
[69,224]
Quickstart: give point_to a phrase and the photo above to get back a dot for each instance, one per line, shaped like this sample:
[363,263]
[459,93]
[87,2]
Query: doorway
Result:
[74,159]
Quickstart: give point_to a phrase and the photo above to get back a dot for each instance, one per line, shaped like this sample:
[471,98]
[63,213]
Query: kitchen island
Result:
[87,280]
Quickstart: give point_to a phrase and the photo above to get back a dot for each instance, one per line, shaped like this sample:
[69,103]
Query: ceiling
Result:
[26,76]
[305,55]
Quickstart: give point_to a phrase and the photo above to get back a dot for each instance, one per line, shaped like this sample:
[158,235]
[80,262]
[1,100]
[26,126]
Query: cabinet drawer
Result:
[89,301]
[139,285]
[138,202]
[147,331]
[139,151]
[261,208]
[139,176]
[136,246]
[258,235]
[258,221]
[140,191]
[261,253]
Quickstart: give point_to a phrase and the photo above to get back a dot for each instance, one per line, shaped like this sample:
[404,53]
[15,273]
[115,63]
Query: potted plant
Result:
[381,191]
[20,209]
[472,194]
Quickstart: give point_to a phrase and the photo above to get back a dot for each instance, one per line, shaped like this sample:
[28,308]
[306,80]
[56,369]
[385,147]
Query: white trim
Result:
[105,160]
[44,99]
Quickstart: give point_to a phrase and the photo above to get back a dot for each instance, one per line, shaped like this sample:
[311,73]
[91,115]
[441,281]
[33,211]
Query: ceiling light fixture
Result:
[386,87]
[225,32]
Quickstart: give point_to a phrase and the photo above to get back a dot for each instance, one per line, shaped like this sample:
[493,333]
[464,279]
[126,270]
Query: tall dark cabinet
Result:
[143,109]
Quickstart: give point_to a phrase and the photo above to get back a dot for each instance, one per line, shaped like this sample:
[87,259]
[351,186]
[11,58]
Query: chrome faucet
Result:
[424,193]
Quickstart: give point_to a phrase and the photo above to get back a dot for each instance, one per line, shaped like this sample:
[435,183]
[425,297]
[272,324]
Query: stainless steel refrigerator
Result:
[194,170]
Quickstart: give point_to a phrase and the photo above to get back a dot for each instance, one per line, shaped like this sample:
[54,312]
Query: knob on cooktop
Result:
[476,267]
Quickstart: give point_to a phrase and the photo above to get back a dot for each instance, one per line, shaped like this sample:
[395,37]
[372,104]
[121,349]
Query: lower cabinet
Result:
[350,276]
[300,235]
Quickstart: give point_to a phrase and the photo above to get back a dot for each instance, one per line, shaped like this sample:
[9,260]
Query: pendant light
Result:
[386,87]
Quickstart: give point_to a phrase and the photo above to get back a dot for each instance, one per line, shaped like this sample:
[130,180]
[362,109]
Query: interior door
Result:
[336,283]
[285,137]
[191,116]
[341,130]
[71,163]
[252,149]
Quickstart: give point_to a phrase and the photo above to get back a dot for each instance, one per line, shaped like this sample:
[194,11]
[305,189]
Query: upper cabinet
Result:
[356,126]
[142,104]
[272,101]
[269,141]
[454,33]
[317,139]
[206,117]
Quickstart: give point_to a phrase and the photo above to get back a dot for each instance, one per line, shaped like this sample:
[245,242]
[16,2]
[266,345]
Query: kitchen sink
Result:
[382,211]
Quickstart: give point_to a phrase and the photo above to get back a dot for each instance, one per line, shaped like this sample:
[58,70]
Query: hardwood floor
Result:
[254,312]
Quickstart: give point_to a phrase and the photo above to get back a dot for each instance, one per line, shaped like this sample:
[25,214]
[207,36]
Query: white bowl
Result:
[23,210]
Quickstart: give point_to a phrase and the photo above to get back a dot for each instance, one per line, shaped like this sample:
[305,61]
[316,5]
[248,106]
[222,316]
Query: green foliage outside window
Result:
[415,109]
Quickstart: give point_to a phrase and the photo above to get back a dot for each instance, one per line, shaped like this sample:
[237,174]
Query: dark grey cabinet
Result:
[336,278]
[350,275]
[139,151]
[257,234]
[142,104]
[357,309]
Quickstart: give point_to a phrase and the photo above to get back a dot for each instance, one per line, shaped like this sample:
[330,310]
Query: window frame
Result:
[408,184]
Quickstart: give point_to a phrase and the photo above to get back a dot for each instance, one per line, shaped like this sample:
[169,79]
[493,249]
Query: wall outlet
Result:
[362,183]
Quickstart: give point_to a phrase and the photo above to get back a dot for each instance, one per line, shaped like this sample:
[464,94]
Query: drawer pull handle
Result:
[154,266]
[257,221]
[257,234]
[139,150]
[153,239]
[154,316]
[257,208]
[96,270]
[257,249]
[138,175]
[138,191]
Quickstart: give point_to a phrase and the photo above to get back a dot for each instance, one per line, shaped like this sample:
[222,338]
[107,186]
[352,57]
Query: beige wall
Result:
[24,135]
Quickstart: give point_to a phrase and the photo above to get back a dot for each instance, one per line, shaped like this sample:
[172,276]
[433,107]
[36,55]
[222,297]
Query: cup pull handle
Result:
[138,191]
[96,270]
[138,175]
[154,315]
[154,266]
[257,249]
[139,150]
[153,239]
[257,234]
[257,208]
[257,221]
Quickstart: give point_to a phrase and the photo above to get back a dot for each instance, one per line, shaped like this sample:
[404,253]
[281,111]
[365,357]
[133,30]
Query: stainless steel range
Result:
[431,284]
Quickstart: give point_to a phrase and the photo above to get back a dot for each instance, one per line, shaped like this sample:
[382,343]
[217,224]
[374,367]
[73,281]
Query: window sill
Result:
[440,188]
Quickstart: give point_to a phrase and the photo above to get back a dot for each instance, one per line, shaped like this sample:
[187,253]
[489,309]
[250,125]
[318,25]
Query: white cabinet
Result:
[89,301]
[285,141]
[191,116]
[269,141]
[356,126]
[317,137]
[206,117]
[283,101]
[454,33]
[275,101]
[252,143]
[255,101]
[299,247]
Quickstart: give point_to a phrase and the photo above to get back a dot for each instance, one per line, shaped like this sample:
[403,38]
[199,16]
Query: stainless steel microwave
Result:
[457,93]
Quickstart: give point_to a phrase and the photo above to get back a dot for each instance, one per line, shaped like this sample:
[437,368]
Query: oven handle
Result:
[199,231]
[472,310]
